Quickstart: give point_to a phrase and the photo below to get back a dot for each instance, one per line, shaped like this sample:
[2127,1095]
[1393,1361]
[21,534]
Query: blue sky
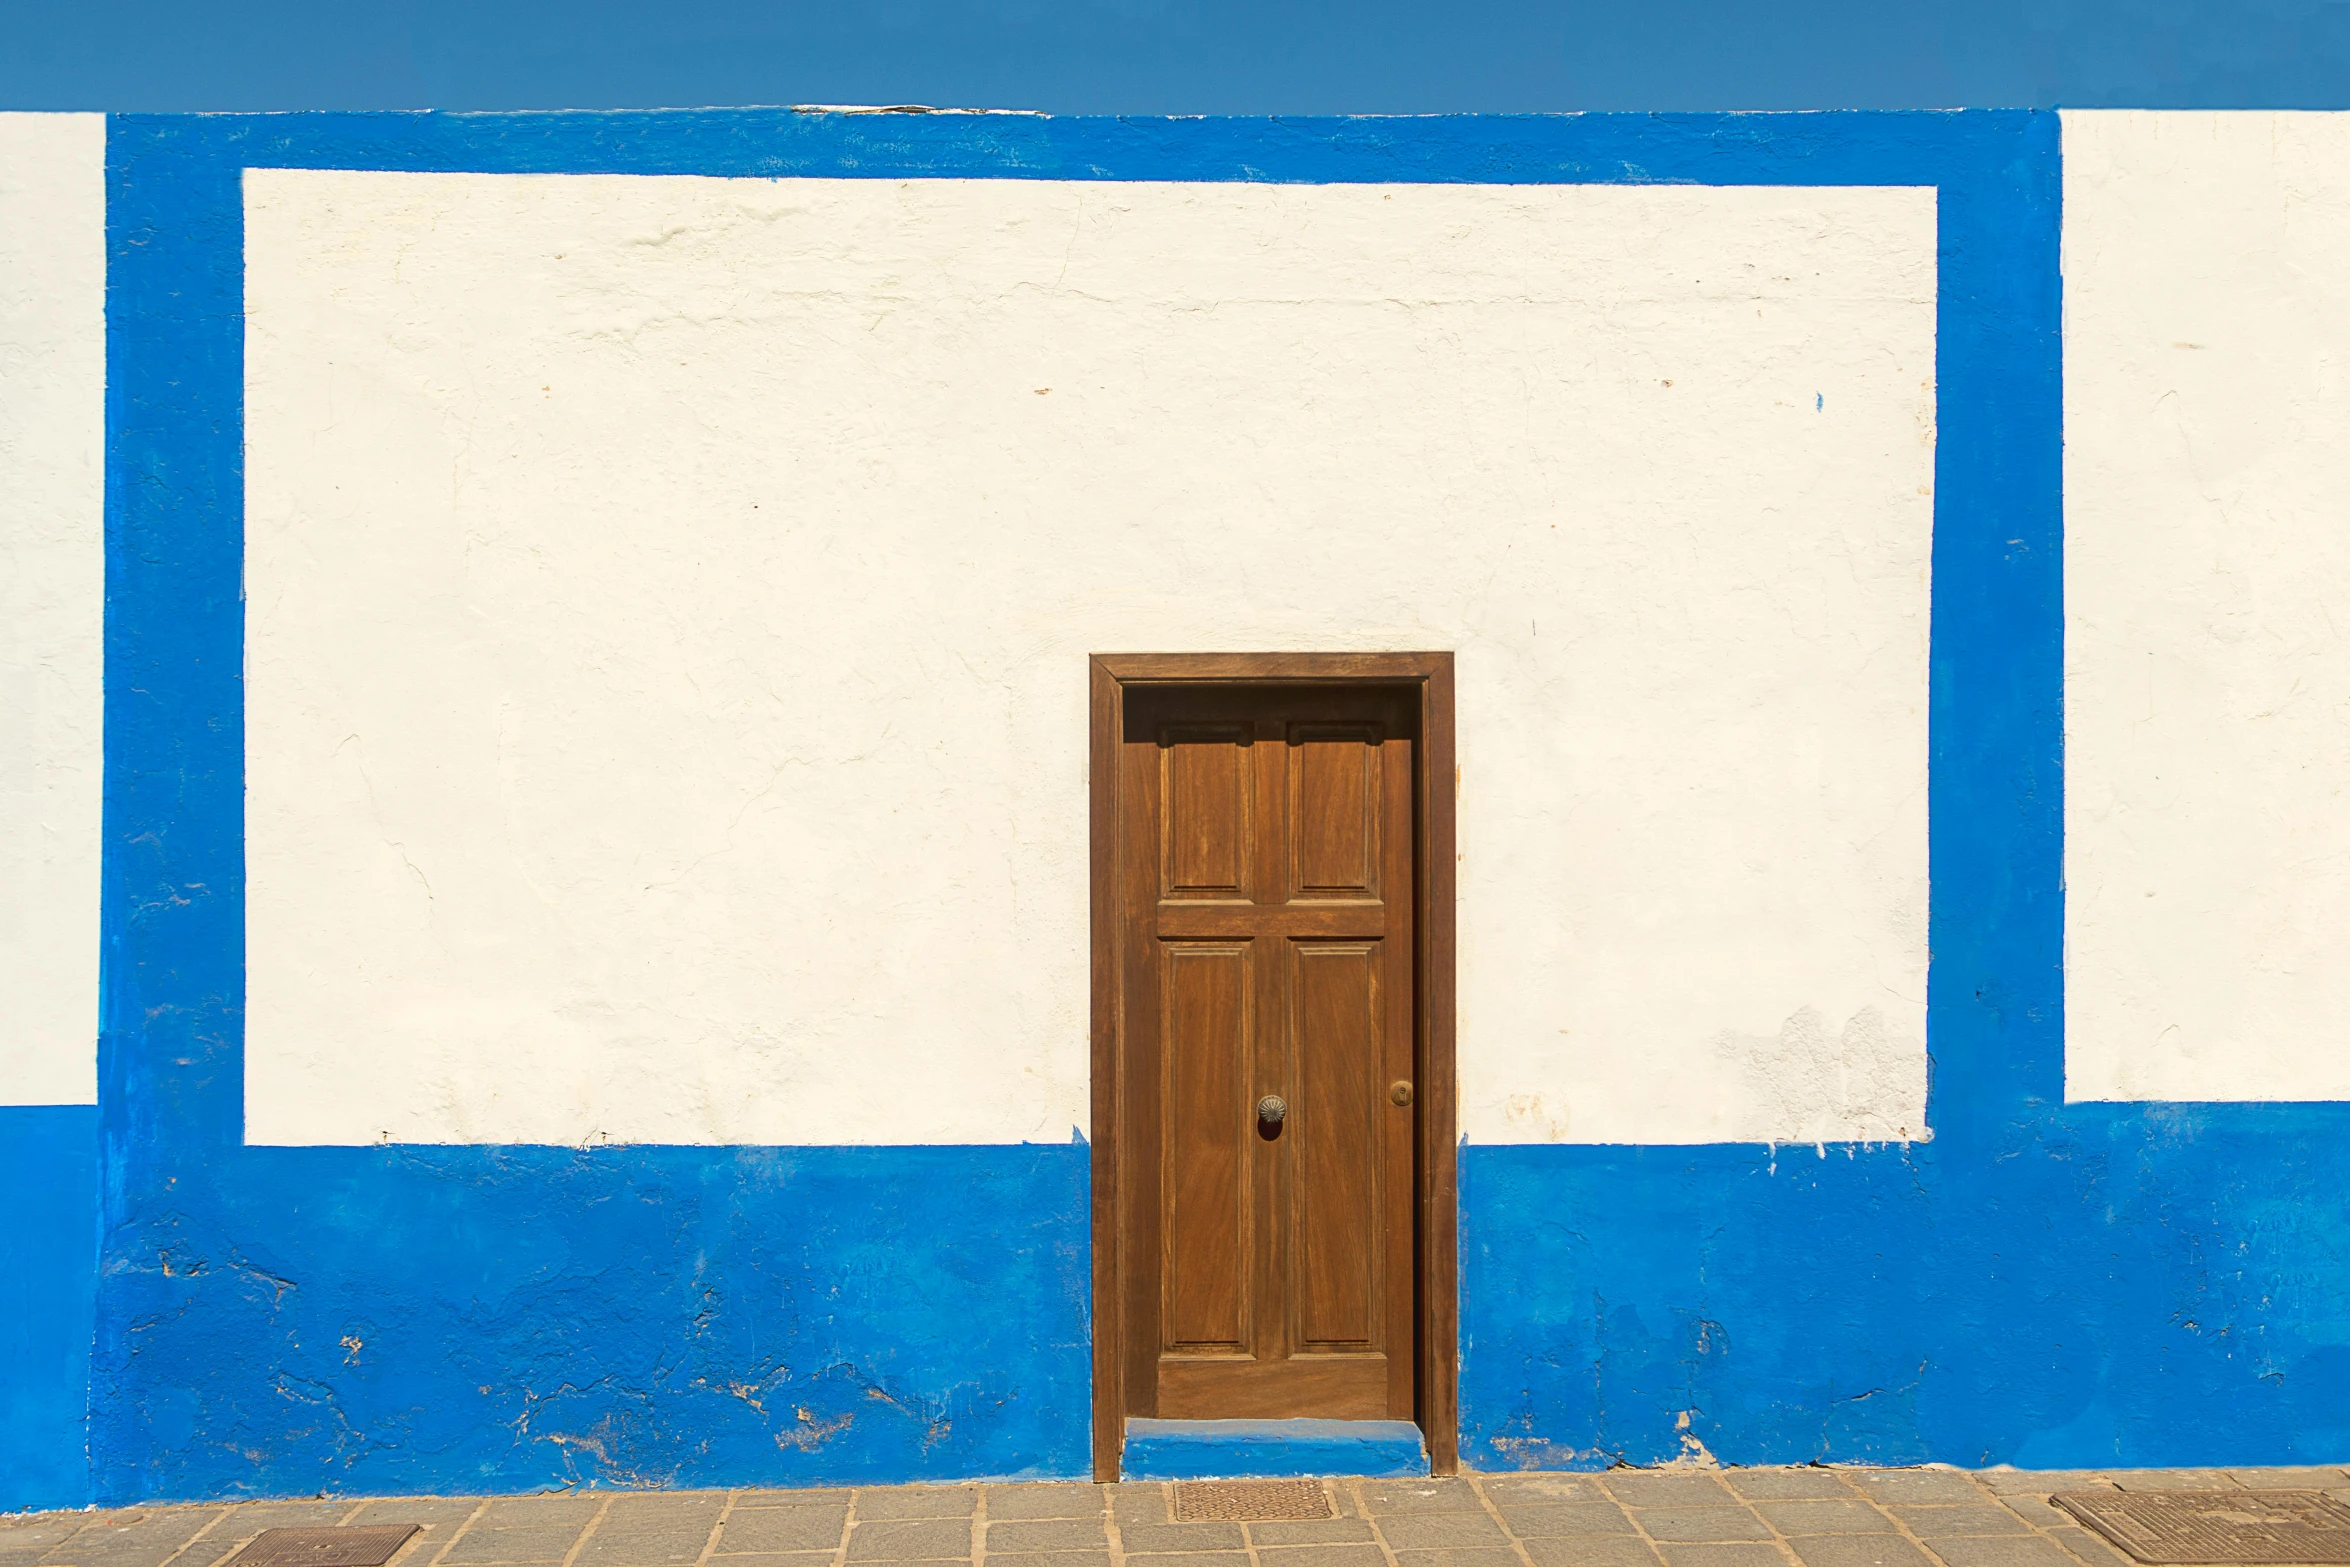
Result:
[1175,56]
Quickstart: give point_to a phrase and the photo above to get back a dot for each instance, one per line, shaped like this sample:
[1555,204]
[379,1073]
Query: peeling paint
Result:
[547,1320]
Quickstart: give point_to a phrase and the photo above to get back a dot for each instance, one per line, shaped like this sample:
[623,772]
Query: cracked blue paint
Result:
[407,1319]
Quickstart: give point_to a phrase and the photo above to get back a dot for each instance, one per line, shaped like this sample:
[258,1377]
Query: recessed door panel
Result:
[1204,990]
[1205,827]
[1336,1228]
[1333,811]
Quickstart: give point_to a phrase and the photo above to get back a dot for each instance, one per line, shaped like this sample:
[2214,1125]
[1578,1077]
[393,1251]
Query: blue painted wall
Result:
[2038,1285]
[476,1319]
[48,1300]
[2111,1285]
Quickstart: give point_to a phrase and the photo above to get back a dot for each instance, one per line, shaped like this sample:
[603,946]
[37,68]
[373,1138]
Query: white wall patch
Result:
[669,601]
[2207,566]
[52,600]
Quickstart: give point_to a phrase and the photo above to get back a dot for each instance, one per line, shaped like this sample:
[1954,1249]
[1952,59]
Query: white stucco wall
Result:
[52,600]
[2207,574]
[668,602]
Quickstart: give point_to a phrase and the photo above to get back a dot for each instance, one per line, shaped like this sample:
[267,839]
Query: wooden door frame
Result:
[1436,1401]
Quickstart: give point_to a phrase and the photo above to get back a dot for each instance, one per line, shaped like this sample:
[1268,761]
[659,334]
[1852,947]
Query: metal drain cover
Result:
[1250,1501]
[2273,1528]
[371,1546]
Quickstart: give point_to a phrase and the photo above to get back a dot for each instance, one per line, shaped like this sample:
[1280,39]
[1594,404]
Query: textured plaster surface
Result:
[668,604]
[2207,662]
[52,600]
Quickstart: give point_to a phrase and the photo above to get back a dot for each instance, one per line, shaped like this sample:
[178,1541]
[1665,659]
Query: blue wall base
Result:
[48,1302]
[1264,1449]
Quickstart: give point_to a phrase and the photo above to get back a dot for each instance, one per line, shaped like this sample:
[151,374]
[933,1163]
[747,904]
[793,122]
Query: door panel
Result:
[1205,1004]
[1265,840]
[1323,1387]
[1335,1218]
[1333,812]
[1205,825]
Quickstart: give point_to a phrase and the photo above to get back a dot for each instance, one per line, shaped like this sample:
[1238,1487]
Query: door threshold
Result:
[1271,1449]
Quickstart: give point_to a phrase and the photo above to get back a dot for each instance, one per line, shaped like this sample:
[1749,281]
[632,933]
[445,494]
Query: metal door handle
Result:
[1271,1109]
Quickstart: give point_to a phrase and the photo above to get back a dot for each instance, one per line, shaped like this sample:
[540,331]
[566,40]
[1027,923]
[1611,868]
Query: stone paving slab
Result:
[1806,1517]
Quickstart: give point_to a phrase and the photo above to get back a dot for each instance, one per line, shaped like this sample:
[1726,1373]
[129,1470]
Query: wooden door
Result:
[1266,867]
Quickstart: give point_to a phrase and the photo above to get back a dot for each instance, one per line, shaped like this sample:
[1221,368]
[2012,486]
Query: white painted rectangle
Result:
[669,601]
[2207,569]
[52,600]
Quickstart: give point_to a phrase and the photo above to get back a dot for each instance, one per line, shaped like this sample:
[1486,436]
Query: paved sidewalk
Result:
[1625,1518]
